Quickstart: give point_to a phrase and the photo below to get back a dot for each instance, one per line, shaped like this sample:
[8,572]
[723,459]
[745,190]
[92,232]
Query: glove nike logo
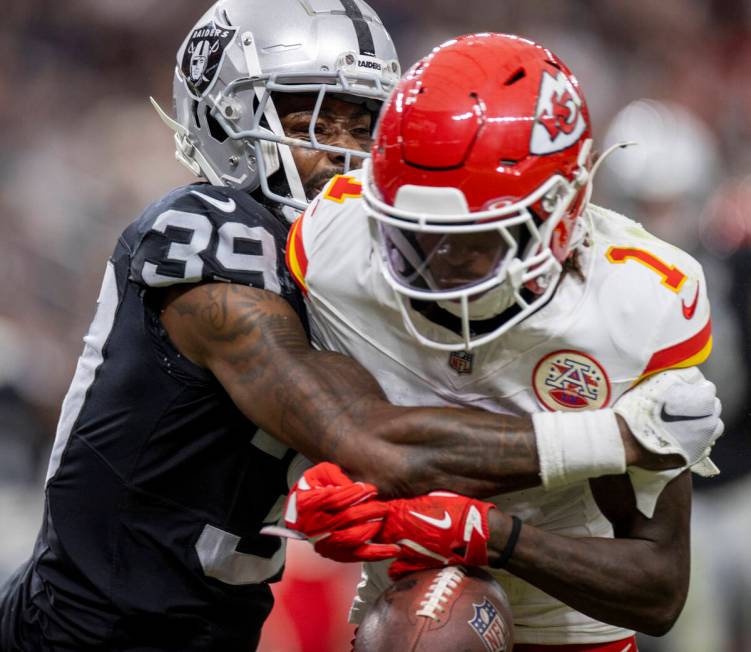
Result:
[227,206]
[688,311]
[670,418]
[473,522]
[444,523]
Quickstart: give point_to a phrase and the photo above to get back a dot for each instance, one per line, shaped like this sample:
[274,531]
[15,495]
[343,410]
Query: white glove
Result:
[675,412]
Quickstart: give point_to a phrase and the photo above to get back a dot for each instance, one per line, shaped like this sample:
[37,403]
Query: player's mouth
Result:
[469,299]
[456,283]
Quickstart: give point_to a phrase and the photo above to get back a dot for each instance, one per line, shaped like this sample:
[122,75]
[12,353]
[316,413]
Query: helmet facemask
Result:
[517,275]
[266,133]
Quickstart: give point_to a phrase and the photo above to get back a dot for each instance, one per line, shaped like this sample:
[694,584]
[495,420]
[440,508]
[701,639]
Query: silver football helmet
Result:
[240,52]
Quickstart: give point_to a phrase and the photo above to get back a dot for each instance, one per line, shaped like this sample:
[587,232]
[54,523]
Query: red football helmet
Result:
[481,167]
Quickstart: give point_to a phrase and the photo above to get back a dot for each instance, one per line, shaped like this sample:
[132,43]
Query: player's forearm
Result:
[480,453]
[338,413]
[469,451]
[335,411]
[329,407]
[631,583]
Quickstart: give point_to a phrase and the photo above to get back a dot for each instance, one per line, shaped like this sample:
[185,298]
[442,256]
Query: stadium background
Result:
[82,152]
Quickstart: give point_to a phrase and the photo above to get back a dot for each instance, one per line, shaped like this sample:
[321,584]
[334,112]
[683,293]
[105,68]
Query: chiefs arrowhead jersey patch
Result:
[570,380]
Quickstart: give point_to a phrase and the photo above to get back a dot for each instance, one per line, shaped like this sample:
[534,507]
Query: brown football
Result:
[452,609]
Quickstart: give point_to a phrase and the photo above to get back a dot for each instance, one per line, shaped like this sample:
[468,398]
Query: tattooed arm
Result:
[328,407]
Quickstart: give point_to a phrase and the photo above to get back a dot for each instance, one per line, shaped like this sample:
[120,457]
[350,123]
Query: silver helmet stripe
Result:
[362,29]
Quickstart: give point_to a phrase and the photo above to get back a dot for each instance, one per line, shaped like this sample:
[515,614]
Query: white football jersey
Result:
[640,308]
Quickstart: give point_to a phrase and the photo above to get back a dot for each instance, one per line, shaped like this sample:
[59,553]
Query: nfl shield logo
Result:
[489,627]
[203,56]
[461,362]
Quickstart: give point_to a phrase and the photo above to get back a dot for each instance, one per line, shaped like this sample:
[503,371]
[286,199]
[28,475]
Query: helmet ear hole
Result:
[194,106]
[255,103]
[520,74]
[215,129]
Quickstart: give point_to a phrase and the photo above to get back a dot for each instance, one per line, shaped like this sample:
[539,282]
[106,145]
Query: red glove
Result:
[440,529]
[336,514]
[344,523]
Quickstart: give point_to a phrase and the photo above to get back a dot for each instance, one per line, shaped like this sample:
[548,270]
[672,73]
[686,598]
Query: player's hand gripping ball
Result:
[439,610]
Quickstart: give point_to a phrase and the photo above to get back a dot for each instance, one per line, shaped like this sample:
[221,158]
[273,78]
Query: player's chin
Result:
[312,193]
[470,299]
[315,185]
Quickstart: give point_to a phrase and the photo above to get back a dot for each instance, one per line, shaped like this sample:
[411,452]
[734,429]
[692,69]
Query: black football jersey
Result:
[158,485]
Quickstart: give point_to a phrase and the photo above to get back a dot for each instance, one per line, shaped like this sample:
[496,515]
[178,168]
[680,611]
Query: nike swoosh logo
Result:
[688,311]
[473,522]
[227,206]
[670,418]
[443,524]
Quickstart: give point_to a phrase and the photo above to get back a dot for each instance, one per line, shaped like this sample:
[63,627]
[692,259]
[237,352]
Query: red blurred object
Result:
[624,645]
[726,224]
[312,604]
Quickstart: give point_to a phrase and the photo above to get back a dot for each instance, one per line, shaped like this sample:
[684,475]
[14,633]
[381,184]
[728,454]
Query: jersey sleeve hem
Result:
[297,260]
[688,353]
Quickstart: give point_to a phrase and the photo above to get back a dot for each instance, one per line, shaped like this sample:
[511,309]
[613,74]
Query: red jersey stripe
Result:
[688,353]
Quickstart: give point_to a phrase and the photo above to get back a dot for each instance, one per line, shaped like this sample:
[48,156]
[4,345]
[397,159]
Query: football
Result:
[451,609]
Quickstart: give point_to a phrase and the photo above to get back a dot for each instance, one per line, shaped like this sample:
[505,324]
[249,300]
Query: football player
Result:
[197,384]
[464,265]
[162,471]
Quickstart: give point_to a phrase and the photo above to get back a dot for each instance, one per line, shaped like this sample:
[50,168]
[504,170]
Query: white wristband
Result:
[575,446]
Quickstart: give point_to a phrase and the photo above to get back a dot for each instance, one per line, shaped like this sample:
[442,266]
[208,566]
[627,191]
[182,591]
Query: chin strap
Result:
[608,152]
[186,152]
[589,176]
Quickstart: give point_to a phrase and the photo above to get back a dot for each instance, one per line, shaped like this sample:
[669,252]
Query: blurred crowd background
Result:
[82,153]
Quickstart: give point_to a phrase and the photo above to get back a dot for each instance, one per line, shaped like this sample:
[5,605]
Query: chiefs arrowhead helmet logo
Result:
[559,121]
[562,117]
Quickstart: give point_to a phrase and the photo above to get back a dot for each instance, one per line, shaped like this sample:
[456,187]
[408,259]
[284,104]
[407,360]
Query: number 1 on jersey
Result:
[672,277]
[343,187]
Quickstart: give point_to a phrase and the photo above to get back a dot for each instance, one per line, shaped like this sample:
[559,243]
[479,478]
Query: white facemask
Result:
[489,305]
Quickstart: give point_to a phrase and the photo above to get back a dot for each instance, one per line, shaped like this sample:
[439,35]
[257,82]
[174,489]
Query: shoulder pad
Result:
[662,289]
[343,187]
[338,203]
[683,336]
[204,233]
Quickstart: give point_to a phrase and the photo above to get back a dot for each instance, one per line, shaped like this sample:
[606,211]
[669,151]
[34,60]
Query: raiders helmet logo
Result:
[203,56]
[559,122]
